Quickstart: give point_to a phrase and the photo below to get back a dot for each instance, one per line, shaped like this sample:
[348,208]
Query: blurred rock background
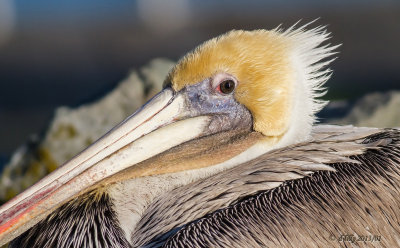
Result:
[73,129]
[70,70]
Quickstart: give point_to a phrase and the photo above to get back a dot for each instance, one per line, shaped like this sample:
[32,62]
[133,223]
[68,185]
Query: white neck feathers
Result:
[309,60]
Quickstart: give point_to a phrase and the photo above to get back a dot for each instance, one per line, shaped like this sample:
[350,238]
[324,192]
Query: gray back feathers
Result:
[83,222]
[345,181]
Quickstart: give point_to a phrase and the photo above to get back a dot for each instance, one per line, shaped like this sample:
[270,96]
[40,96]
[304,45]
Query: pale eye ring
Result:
[227,86]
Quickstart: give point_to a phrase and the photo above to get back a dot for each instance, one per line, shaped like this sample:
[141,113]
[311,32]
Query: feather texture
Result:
[281,74]
[88,221]
[359,199]
[343,182]
[287,192]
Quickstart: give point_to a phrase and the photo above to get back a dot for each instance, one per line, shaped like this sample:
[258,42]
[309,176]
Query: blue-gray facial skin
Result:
[228,114]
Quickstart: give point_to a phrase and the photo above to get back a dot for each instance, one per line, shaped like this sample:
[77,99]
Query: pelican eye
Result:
[227,86]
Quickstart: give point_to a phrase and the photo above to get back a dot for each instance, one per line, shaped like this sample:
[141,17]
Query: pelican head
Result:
[226,102]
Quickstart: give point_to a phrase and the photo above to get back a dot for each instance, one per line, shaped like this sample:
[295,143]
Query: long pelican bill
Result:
[225,155]
[164,122]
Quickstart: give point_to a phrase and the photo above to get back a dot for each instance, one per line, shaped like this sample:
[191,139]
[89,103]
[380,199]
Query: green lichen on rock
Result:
[73,129]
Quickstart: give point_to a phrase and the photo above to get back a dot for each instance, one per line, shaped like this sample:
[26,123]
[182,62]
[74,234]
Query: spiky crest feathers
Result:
[281,75]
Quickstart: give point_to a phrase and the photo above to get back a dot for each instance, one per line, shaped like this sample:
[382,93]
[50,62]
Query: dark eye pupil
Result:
[227,86]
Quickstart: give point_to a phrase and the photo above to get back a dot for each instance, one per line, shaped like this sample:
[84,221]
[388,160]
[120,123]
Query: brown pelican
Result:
[225,155]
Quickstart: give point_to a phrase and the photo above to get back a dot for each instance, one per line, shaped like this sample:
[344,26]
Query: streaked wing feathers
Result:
[262,202]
